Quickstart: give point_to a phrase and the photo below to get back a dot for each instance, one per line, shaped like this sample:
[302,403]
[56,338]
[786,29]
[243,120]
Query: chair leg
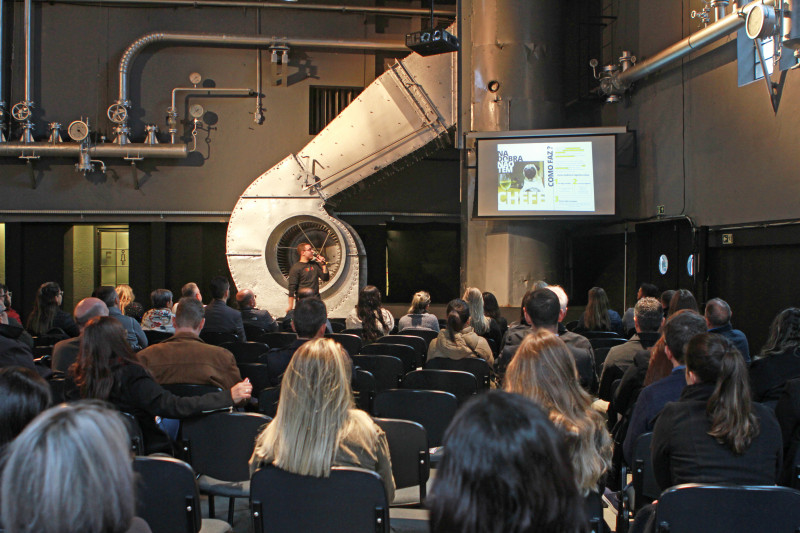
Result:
[211,513]
[231,502]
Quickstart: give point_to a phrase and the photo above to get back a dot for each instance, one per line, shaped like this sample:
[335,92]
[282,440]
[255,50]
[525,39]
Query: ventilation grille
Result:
[325,103]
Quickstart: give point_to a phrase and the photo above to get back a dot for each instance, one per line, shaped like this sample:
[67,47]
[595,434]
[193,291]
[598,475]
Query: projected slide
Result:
[552,176]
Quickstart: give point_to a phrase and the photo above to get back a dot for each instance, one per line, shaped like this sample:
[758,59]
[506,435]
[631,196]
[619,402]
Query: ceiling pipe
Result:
[709,34]
[130,151]
[343,9]
[2,71]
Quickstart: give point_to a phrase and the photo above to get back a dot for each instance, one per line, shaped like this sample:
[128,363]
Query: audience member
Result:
[544,371]
[219,317]
[317,425]
[458,340]
[135,310]
[666,297]
[370,316]
[682,299]
[779,359]
[492,309]
[646,290]
[718,317]
[126,297]
[482,324]
[678,330]
[253,316]
[23,395]
[184,358]
[598,316]
[647,319]
[159,318]
[15,352]
[309,322]
[570,338]
[787,411]
[418,315]
[70,471]
[517,330]
[135,335]
[306,273]
[66,352]
[504,469]
[107,369]
[302,294]
[5,298]
[189,290]
[47,314]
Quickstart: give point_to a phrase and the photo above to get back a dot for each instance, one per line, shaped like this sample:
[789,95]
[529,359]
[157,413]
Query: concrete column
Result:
[78,265]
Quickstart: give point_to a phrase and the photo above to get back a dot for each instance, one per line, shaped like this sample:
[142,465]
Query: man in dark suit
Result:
[219,317]
[253,316]
[718,317]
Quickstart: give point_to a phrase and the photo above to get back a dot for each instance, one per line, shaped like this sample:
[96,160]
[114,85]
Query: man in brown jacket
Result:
[185,358]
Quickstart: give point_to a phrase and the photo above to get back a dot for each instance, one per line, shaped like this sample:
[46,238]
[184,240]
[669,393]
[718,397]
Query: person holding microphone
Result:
[307,272]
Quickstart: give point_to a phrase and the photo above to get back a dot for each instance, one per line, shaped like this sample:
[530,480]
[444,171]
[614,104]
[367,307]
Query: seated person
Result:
[302,294]
[481,324]
[65,352]
[134,333]
[159,318]
[310,317]
[779,359]
[369,316]
[317,426]
[47,313]
[253,316]
[219,317]
[598,315]
[459,340]
[23,395]
[418,315]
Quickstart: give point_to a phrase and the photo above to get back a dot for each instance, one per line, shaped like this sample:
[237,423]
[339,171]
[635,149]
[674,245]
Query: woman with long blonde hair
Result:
[481,324]
[317,425]
[126,296]
[543,369]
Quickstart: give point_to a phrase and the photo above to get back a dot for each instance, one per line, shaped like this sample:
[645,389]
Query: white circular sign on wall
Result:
[663,264]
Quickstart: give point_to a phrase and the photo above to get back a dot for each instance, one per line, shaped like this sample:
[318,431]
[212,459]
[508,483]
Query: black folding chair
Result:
[167,497]
[268,401]
[598,334]
[694,508]
[364,389]
[219,446]
[351,343]
[134,432]
[602,342]
[353,331]
[408,448]
[593,505]
[426,334]
[387,370]
[253,332]
[246,352]
[258,374]
[411,358]
[218,337]
[474,365]
[432,409]
[600,355]
[415,341]
[278,339]
[350,499]
[155,336]
[643,488]
[461,384]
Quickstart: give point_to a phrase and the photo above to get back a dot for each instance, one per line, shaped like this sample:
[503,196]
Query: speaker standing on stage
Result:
[306,272]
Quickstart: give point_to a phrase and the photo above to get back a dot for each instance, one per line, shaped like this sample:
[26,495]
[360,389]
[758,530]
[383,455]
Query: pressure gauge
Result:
[78,130]
[761,22]
[195,78]
[196,110]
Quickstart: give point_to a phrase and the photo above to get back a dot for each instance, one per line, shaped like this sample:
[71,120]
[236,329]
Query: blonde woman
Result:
[481,324]
[418,315]
[543,369]
[317,425]
[126,296]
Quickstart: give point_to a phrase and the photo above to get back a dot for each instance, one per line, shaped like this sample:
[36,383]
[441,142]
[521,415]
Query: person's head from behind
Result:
[457,316]
[190,290]
[490,306]
[666,297]
[717,313]
[713,359]
[648,315]
[161,299]
[419,303]
[125,295]
[504,469]
[220,287]
[522,319]
[474,298]
[87,309]
[246,299]
[23,395]
[314,407]
[369,299]
[784,332]
[647,290]
[74,464]
[682,299]
[543,309]
[563,299]
[107,294]
[310,318]
[679,328]
[596,315]
[190,314]
[104,343]
[49,294]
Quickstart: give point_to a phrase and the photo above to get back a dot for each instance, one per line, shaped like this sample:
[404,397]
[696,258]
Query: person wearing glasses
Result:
[306,273]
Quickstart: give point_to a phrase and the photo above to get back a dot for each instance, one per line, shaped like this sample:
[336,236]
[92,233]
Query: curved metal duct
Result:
[406,108]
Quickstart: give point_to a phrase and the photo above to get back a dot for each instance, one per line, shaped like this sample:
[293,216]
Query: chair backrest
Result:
[277,339]
[268,401]
[602,342]
[351,343]
[408,448]
[410,357]
[167,497]
[350,499]
[432,409]
[409,339]
[253,332]
[593,505]
[364,389]
[645,486]
[462,384]
[257,373]
[246,352]
[155,336]
[58,386]
[353,331]
[190,389]
[387,370]
[218,337]
[426,334]
[600,355]
[474,365]
[697,508]
[134,432]
[220,444]
[337,327]
[598,334]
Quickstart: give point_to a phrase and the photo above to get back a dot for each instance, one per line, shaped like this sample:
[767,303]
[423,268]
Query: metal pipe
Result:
[139,44]
[343,9]
[28,49]
[211,90]
[697,40]
[69,149]
[2,71]
[95,212]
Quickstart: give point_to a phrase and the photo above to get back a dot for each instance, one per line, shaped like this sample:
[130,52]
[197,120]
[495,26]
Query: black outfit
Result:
[788,414]
[769,374]
[259,318]
[277,359]
[620,358]
[14,352]
[306,275]
[63,320]
[684,452]
[65,353]
[223,319]
[136,392]
[495,334]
